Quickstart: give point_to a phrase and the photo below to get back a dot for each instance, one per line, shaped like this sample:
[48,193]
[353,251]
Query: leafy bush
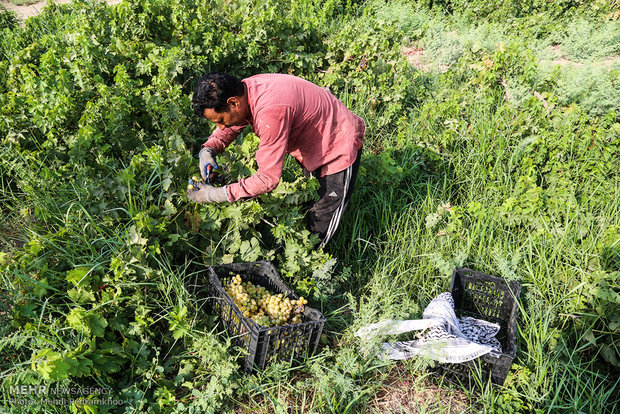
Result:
[97,139]
[8,19]
[97,142]
[372,70]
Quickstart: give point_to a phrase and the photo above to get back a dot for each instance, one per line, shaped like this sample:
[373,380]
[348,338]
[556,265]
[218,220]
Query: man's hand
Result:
[205,193]
[206,156]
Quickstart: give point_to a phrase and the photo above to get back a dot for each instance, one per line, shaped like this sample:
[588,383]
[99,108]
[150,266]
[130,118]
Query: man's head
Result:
[221,99]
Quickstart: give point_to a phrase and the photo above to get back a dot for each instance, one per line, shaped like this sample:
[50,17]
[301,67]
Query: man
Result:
[289,115]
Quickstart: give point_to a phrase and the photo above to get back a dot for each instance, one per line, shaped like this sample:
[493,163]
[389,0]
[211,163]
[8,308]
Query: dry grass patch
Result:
[406,393]
[416,57]
[558,57]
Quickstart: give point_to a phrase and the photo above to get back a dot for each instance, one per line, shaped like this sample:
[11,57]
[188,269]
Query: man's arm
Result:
[221,138]
[273,126]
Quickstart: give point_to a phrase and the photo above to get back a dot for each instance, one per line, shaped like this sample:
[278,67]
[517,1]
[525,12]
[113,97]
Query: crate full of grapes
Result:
[263,315]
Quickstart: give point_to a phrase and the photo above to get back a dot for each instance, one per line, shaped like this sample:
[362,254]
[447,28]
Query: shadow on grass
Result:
[390,182]
[610,259]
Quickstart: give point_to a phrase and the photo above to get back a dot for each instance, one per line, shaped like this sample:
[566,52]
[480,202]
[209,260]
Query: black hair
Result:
[213,90]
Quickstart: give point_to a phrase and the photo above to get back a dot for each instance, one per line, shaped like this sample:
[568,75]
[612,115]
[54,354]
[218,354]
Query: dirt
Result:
[560,59]
[25,11]
[415,57]
[404,393]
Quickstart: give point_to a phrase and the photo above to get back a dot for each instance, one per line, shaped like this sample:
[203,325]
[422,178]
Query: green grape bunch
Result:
[262,306]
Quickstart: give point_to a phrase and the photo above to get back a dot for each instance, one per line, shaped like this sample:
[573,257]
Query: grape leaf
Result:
[77,276]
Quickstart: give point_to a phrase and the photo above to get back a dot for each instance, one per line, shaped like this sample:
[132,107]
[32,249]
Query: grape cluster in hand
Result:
[262,306]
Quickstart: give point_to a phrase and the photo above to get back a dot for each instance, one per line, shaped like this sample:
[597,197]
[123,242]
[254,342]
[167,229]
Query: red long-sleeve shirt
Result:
[294,116]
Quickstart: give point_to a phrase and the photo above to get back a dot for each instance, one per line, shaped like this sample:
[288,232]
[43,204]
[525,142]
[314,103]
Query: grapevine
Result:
[262,306]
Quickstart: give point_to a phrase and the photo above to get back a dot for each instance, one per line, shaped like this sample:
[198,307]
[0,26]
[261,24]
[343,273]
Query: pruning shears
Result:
[209,174]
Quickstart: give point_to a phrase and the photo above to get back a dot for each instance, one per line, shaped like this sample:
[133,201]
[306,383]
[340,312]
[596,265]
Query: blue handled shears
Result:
[209,171]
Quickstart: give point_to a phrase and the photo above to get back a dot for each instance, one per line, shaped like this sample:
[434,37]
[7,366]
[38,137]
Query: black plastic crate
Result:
[490,298]
[263,344]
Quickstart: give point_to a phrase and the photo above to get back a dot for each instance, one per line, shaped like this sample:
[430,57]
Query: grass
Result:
[578,58]
[515,191]
[408,264]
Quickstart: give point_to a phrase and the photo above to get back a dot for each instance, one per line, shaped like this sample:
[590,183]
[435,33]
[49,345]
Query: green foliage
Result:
[529,201]
[96,117]
[8,19]
[97,140]
[599,301]
[337,390]
[503,9]
[371,70]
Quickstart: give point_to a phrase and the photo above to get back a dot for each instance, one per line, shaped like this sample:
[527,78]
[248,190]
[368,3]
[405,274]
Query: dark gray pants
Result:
[335,192]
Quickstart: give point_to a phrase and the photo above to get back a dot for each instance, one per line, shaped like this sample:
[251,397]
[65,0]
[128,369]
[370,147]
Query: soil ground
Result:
[25,11]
